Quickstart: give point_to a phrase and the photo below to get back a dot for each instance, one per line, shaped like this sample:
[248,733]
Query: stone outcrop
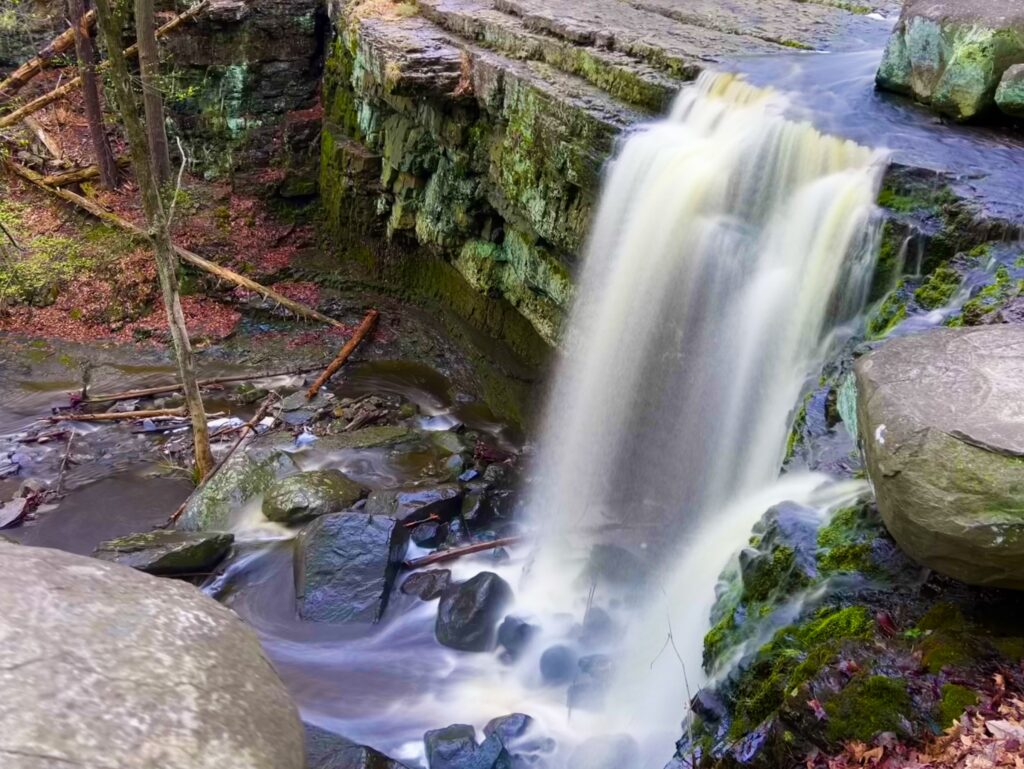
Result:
[938,415]
[105,666]
[470,134]
[953,54]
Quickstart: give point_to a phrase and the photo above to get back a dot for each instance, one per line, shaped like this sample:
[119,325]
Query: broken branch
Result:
[119,416]
[458,552]
[76,175]
[345,353]
[35,65]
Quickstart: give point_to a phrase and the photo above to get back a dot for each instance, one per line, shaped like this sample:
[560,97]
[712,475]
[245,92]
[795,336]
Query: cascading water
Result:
[729,243]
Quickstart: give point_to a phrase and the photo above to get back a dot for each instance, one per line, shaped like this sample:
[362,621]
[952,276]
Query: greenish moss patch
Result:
[867,706]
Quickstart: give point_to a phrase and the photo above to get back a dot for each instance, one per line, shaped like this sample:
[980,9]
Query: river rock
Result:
[416,502]
[454,747]
[346,565]
[509,728]
[168,553]
[939,418]
[468,614]
[1010,96]
[143,673]
[242,477]
[307,495]
[952,54]
[427,585]
[326,750]
[515,634]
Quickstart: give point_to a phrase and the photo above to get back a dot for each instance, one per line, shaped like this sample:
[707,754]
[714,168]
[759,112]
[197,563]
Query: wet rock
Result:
[599,628]
[937,418]
[416,502]
[168,552]
[784,558]
[346,564]
[515,635]
[448,441]
[430,534]
[454,747]
[243,477]
[427,585]
[1010,96]
[468,614]
[304,496]
[297,410]
[590,684]
[509,728]
[558,664]
[326,750]
[141,673]
[611,752]
[952,54]
[367,438]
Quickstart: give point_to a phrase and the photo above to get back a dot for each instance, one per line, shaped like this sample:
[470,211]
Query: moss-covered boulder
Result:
[168,553]
[1010,96]
[305,496]
[952,54]
[938,418]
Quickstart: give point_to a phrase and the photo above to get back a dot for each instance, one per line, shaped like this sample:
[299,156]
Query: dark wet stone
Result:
[168,552]
[430,534]
[508,728]
[297,410]
[346,565]
[514,635]
[427,585]
[326,750]
[599,627]
[468,614]
[612,752]
[454,747]
[457,534]
[707,704]
[416,502]
[305,496]
[558,664]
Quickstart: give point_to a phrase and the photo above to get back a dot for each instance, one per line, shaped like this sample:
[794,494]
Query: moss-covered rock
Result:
[1010,95]
[304,496]
[868,706]
[168,553]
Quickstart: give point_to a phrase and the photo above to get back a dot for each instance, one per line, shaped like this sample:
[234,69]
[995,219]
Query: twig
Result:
[59,490]
[343,355]
[458,552]
[414,524]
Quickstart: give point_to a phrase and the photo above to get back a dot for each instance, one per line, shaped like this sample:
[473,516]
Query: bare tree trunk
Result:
[156,217]
[152,100]
[91,95]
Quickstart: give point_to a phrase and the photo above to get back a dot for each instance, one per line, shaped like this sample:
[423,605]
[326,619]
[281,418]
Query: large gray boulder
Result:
[952,54]
[941,419]
[346,564]
[107,667]
[304,496]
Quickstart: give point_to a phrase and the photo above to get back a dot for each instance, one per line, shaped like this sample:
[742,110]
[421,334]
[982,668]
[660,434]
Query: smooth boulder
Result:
[455,747]
[940,420]
[952,54]
[467,617]
[1010,95]
[326,750]
[168,552]
[304,496]
[107,666]
[346,564]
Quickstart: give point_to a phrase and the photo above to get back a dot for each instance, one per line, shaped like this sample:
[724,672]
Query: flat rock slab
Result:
[168,553]
[941,418]
[108,667]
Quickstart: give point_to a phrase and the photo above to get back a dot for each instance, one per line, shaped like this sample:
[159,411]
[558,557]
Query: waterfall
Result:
[729,243]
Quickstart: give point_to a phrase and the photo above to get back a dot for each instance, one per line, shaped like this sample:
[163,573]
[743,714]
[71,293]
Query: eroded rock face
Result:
[307,495]
[105,666]
[939,418]
[168,553]
[346,565]
[952,54]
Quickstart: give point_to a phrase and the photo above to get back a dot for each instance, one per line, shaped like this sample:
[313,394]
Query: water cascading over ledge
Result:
[729,246]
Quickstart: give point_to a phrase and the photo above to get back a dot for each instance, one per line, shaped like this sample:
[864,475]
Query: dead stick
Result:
[76,175]
[35,65]
[58,93]
[458,552]
[246,428]
[120,416]
[177,387]
[51,144]
[64,465]
[414,524]
[350,347]
[204,264]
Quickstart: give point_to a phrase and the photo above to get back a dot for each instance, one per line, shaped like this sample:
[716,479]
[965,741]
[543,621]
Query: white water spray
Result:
[729,243]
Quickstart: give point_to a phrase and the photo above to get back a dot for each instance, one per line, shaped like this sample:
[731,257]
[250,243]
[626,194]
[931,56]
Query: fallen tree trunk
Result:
[458,552]
[35,65]
[76,175]
[185,255]
[59,93]
[368,324]
[177,387]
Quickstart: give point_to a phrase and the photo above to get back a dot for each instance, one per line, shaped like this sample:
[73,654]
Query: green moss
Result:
[867,706]
[771,574]
[987,301]
[943,616]
[796,434]
[954,701]
[939,288]
[847,558]
[889,265]
[37,274]
[719,638]
[890,314]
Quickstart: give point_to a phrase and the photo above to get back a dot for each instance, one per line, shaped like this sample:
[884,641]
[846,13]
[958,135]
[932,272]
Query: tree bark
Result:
[91,95]
[156,218]
[152,99]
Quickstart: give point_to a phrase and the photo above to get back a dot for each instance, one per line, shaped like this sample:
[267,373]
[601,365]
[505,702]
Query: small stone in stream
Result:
[346,564]
[515,635]
[168,552]
[407,410]
[448,441]
[457,534]
[599,628]
[430,534]
[454,747]
[416,502]
[508,728]
[468,614]
[558,664]
[455,464]
[615,751]
[427,585]
[307,495]
[326,750]
[498,475]
[475,507]
[469,475]
[297,410]
[708,706]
